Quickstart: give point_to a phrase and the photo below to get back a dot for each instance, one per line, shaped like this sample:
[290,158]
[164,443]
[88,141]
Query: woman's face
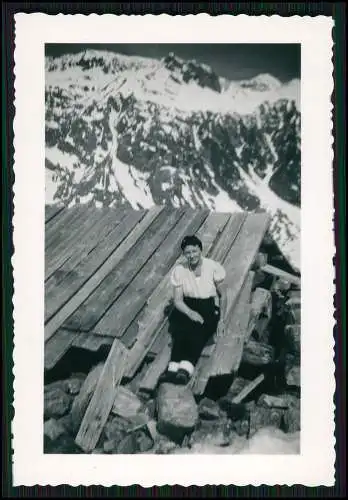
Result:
[192,254]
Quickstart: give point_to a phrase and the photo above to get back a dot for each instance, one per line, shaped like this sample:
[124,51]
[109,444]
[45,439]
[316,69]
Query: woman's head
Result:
[191,247]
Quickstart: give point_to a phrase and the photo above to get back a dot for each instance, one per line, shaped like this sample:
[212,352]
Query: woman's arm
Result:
[182,307]
[221,291]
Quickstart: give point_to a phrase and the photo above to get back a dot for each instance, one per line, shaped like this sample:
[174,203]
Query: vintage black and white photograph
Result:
[172,248]
[182,192]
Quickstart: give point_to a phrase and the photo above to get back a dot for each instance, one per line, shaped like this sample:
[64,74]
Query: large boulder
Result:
[293,376]
[177,411]
[56,402]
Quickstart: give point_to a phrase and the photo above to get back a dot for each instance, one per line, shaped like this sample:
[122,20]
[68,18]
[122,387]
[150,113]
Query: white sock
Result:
[173,366]
[186,365]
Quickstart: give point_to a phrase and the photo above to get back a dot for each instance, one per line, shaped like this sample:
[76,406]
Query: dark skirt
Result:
[190,337]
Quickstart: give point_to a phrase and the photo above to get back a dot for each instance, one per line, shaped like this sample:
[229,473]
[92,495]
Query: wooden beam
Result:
[274,271]
[60,289]
[93,281]
[237,263]
[156,368]
[248,389]
[103,398]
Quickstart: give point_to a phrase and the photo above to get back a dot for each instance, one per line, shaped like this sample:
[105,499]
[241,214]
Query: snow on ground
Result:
[289,243]
[133,185]
[266,441]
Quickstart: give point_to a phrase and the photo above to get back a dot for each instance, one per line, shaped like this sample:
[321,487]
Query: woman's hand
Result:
[195,316]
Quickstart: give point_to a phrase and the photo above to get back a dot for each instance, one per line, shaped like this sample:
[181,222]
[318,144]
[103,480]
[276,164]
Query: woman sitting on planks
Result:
[197,286]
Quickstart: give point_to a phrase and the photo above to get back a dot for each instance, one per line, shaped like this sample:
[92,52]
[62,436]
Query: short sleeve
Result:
[219,272]
[176,277]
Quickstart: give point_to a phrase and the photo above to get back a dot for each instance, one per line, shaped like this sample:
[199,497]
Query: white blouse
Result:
[203,286]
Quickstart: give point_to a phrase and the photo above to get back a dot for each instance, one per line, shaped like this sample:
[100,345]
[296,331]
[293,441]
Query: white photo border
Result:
[315,465]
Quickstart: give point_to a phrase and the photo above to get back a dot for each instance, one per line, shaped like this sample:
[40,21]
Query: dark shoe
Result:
[168,377]
[182,377]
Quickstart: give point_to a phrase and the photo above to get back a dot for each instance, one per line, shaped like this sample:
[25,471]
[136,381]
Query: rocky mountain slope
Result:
[125,129]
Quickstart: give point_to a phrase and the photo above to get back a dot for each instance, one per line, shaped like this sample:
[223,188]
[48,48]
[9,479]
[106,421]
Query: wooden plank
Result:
[52,211]
[134,297]
[103,398]
[229,235]
[90,282]
[153,320]
[101,299]
[55,231]
[248,389]
[156,368]
[56,255]
[85,245]
[237,264]
[70,282]
[229,347]
[242,254]
[91,342]
[57,346]
[274,271]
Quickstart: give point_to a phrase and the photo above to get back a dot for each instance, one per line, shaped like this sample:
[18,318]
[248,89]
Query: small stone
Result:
[292,420]
[53,429]
[177,411]
[208,409]
[272,401]
[116,428]
[98,451]
[73,385]
[110,445]
[150,408]
[56,403]
[164,445]
[293,376]
[66,422]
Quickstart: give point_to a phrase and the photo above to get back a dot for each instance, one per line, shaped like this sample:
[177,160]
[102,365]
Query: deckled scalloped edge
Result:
[13,258]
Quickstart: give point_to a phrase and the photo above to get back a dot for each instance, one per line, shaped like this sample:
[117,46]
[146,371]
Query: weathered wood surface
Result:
[91,342]
[227,352]
[81,242]
[103,398]
[248,389]
[156,368]
[118,279]
[52,211]
[69,281]
[57,346]
[120,315]
[153,320]
[257,353]
[62,228]
[260,313]
[237,263]
[291,278]
[60,252]
[93,280]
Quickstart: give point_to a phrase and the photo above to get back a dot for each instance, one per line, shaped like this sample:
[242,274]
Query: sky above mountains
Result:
[232,61]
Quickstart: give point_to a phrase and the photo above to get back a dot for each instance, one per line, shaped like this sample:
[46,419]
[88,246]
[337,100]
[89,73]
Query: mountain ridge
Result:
[126,129]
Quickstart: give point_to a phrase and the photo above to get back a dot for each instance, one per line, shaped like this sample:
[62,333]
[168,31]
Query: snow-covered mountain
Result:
[124,129]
